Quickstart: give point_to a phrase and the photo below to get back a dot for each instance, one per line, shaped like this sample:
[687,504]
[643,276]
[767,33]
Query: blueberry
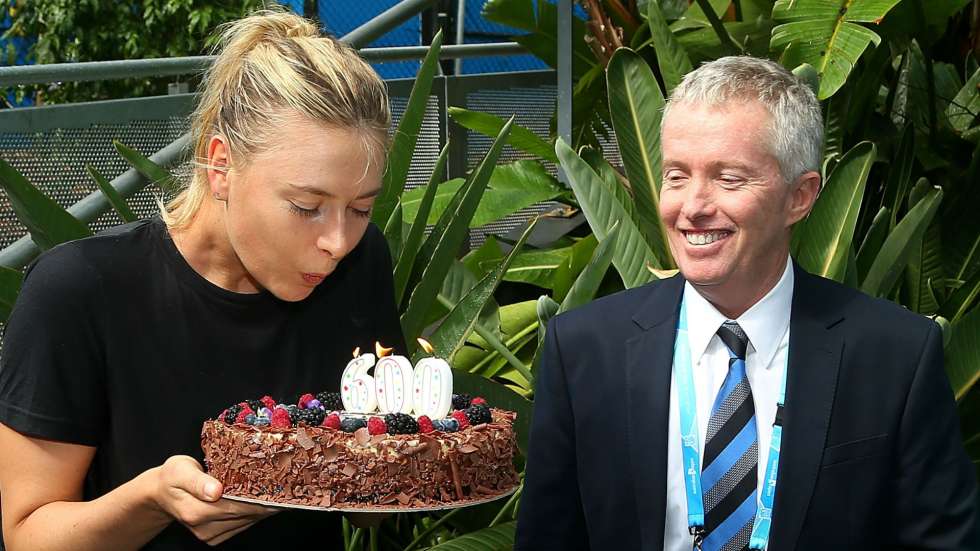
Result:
[250,419]
[351,424]
[314,403]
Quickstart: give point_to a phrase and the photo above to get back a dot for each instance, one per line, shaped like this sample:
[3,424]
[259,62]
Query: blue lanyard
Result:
[690,447]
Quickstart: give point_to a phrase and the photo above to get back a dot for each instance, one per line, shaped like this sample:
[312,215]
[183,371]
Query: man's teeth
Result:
[704,238]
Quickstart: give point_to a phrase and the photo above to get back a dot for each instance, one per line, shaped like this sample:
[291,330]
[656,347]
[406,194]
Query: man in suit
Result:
[659,409]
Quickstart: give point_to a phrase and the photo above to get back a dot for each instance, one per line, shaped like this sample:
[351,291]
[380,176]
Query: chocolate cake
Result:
[310,456]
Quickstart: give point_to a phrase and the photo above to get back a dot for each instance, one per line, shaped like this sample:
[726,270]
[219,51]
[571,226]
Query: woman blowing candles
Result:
[258,278]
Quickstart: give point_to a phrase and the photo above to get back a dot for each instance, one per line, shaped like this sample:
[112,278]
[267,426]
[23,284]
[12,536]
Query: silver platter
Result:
[376,508]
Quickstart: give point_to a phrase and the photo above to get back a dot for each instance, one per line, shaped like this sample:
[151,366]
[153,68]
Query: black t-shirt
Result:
[116,342]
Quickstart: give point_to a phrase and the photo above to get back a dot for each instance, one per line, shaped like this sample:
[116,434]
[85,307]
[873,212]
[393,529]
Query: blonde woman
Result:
[259,278]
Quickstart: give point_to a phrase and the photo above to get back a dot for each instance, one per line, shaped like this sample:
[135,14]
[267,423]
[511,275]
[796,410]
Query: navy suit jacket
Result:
[872,455]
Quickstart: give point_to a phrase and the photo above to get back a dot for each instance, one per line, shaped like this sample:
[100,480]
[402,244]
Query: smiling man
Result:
[744,403]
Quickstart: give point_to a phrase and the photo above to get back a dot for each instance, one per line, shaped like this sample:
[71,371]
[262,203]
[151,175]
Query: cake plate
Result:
[391,508]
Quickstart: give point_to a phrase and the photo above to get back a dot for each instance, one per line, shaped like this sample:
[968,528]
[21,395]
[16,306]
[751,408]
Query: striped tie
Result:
[731,454]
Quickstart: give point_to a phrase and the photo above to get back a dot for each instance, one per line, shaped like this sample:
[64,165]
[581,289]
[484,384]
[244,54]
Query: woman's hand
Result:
[192,497]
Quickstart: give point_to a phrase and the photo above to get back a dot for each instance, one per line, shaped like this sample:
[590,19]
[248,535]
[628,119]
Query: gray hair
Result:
[796,128]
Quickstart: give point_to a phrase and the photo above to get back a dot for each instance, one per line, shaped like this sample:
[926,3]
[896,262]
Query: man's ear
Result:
[218,164]
[803,195]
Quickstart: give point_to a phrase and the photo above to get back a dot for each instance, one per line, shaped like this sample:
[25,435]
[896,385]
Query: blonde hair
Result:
[272,66]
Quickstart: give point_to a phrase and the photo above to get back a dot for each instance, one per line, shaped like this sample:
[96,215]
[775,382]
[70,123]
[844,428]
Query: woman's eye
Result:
[301,211]
[361,213]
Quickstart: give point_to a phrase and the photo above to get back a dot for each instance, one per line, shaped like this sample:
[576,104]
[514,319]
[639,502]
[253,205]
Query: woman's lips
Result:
[313,278]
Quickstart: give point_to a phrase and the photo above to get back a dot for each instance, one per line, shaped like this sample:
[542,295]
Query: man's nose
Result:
[698,199]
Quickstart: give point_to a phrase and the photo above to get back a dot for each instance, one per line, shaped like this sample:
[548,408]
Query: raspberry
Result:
[268,402]
[460,417]
[304,399]
[376,425]
[425,424]
[246,411]
[332,421]
[280,419]
[478,401]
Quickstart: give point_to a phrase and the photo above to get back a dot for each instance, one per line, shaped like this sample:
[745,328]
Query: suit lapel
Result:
[814,359]
[649,356]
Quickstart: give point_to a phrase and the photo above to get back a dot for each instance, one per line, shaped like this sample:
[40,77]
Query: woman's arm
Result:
[41,483]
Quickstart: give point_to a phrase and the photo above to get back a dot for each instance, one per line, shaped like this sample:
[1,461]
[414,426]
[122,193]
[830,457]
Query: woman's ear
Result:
[218,164]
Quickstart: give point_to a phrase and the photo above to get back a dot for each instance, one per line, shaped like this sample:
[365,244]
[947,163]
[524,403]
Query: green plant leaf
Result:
[963,353]
[826,34]
[961,299]
[809,75]
[10,282]
[894,254]
[672,59]
[873,240]
[497,538]
[48,223]
[454,329]
[403,144]
[567,273]
[490,125]
[513,13]
[513,187]
[602,210]
[542,39]
[900,174]
[538,267]
[406,257]
[452,230]
[112,195]
[823,239]
[394,230]
[480,261]
[925,266]
[635,103]
[156,174]
[459,281]
[965,107]
[587,283]
[695,18]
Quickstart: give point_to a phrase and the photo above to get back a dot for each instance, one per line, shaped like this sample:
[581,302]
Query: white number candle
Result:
[433,386]
[357,388]
[393,376]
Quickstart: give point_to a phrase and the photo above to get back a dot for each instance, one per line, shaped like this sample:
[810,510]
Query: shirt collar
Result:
[765,322]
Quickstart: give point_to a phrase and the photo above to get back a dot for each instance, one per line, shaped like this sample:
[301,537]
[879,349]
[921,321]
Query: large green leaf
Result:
[873,240]
[695,18]
[513,186]
[410,248]
[456,327]
[452,231]
[962,299]
[10,281]
[965,107]
[497,538]
[636,104]
[48,223]
[513,13]
[567,273]
[672,59]
[587,283]
[156,174]
[963,354]
[538,267]
[111,195]
[823,239]
[403,144]
[459,281]
[490,125]
[925,268]
[900,174]
[602,210]
[894,254]
[826,34]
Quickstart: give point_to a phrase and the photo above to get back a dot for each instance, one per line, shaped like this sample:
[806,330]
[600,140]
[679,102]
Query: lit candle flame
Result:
[425,345]
[357,351]
[382,351]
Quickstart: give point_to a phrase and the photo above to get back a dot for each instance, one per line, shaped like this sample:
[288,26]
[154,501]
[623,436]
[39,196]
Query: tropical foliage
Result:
[895,218]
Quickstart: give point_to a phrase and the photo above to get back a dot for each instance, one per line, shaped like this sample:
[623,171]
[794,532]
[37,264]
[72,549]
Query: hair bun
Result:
[241,36]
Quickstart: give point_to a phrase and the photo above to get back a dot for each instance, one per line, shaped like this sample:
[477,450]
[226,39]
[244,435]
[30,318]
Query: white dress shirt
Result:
[767,325]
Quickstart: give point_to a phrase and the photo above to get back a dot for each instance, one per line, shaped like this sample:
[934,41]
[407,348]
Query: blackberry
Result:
[312,417]
[478,414]
[331,401]
[232,413]
[294,414]
[256,405]
[461,401]
[351,424]
[401,423]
